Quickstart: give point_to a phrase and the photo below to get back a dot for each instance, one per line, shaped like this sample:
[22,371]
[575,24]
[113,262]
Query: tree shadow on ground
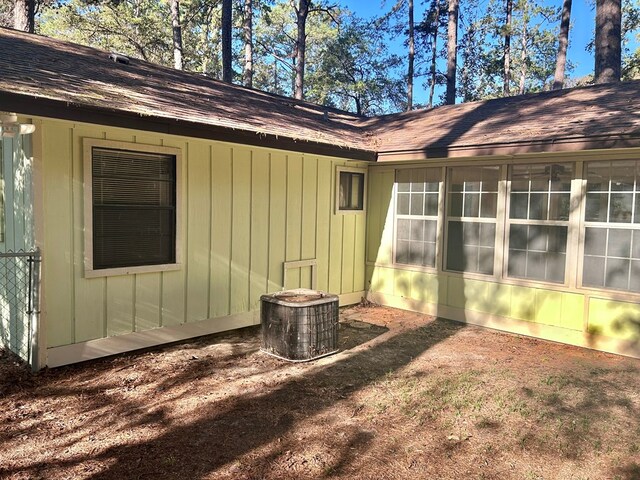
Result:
[227,429]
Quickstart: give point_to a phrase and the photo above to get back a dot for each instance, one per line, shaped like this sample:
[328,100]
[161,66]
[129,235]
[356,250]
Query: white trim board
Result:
[104,347]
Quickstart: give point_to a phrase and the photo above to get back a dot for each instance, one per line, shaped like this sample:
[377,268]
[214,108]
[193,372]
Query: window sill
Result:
[111,272]
[350,212]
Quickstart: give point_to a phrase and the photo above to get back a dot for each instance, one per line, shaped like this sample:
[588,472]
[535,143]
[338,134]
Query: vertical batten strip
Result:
[210,236]
[302,215]
[186,201]
[341,218]
[269,217]
[221,174]
[323,221]
[259,260]
[232,192]
[72,280]
[308,237]
[251,230]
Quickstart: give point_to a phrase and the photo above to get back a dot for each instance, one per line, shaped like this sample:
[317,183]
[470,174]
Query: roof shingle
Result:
[595,112]
[46,68]
[36,70]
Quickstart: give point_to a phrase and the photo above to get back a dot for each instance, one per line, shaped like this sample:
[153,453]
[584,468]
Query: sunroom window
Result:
[417,216]
[538,223]
[611,257]
[472,201]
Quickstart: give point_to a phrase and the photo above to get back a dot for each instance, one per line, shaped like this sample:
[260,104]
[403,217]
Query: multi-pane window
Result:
[538,224]
[133,208]
[538,200]
[612,226]
[417,216]
[472,201]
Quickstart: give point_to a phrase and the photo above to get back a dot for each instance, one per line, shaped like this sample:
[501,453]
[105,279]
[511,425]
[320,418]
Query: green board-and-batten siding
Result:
[245,211]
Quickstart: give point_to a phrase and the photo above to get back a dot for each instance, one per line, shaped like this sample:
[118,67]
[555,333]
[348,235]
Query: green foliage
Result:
[138,28]
[533,49]
[433,24]
[348,62]
[630,27]
[357,73]
[275,49]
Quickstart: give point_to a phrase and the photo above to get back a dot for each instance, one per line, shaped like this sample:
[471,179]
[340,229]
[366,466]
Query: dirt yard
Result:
[408,397]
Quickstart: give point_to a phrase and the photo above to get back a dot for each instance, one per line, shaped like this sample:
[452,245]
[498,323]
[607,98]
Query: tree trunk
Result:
[563,43]
[452,47]
[608,41]
[523,59]
[301,45]
[434,54]
[247,76]
[412,52]
[227,72]
[507,50]
[24,13]
[276,81]
[177,34]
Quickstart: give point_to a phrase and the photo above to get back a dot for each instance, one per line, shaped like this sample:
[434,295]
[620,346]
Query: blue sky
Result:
[580,34]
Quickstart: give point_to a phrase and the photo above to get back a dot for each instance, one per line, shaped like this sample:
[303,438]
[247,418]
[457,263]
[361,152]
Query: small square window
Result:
[350,194]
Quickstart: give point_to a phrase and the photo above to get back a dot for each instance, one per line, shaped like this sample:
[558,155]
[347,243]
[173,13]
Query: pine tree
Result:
[608,50]
[452,49]
[177,33]
[563,43]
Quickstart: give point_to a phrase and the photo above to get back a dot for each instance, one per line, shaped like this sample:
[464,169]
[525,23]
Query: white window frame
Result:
[438,217]
[574,267]
[88,144]
[606,292]
[350,211]
[498,221]
[569,223]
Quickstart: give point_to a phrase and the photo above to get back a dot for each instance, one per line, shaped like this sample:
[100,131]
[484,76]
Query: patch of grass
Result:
[531,475]
[169,460]
[487,423]
[557,381]
[430,397]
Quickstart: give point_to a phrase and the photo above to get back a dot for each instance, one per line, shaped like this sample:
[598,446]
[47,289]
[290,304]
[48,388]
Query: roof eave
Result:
[59,109]
[552,145]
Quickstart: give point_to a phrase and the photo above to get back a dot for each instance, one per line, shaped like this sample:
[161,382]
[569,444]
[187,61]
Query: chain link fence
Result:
[19,310]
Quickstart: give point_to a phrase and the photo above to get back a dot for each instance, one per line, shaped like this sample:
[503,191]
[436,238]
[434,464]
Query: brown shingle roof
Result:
[46,68]
[44,76]
[596,113]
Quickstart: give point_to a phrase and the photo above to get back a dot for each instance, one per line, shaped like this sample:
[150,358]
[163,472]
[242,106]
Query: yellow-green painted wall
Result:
[16,234]
[245,211]
[596,319]
[16,208]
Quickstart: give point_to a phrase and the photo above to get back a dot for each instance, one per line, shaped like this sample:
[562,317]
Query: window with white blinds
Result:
[133,208]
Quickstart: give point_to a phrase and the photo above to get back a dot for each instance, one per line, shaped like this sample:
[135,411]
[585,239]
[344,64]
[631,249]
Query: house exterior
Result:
[165,203]
[521,214]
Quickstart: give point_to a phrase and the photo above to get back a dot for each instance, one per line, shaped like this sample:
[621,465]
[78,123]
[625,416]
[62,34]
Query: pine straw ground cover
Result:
[409,397]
